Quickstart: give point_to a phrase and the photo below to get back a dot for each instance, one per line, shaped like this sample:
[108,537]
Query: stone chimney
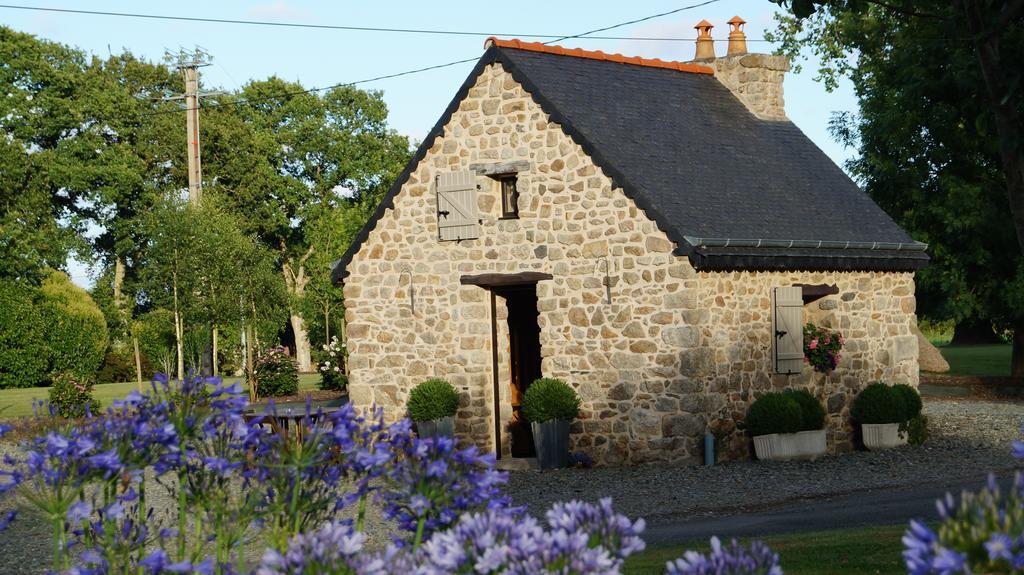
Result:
[756,79]
[705,45]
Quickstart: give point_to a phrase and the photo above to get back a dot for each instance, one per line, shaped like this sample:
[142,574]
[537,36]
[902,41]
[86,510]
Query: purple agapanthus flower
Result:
[735,559]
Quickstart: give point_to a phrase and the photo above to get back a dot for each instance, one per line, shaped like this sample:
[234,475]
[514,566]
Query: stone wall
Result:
[756,80]
[674,351]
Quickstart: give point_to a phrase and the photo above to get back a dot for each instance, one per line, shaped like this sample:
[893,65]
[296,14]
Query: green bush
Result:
[276,374]
[547,399]
[812,414]
[75,329]
[433,399]
[155,330]
[911,400]
[331,358]
[774,413]
[71,397]
[916,429]
[24,354]
[333,381]
[879,403]
[119,365]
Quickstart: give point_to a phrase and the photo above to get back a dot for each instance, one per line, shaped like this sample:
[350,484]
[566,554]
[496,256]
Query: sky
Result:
[317,57]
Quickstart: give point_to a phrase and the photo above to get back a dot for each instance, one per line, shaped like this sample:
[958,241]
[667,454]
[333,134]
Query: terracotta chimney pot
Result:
[737,39]
[705,45]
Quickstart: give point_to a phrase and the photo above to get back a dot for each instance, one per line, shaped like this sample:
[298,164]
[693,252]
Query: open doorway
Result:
[524,360]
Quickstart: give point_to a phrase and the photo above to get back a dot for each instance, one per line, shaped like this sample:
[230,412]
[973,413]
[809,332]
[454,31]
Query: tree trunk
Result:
[178,335]
[1017,360]
[327,325]
[213,358]
[302,353]
[1004,108]
[974,332]
[295,280]
[250,370]
[119,303]
[138,361]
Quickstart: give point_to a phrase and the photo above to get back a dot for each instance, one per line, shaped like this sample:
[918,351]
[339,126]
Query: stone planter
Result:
[551,439]
[444,427]
[882,435]
[789,446]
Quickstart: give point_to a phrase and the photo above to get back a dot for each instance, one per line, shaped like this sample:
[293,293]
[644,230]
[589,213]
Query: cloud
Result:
[279,10]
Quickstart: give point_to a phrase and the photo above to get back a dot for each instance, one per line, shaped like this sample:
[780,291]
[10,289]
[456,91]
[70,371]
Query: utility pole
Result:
[189,63]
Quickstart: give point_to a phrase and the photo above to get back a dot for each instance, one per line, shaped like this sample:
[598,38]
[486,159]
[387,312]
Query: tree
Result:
[933,145]
[201,267]
[41,122]
[330,151]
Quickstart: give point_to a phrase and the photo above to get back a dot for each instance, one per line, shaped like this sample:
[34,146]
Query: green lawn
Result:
[978,359]
[18,402]
[874,550]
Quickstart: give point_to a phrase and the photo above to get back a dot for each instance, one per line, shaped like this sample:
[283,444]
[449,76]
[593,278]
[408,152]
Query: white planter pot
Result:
[882,435]
[789,446]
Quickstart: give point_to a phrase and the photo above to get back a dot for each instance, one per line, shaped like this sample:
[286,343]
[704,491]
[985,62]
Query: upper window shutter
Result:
[458,216]
[788,329]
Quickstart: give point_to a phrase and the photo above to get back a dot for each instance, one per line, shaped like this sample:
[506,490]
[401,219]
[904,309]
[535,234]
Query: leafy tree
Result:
[332,152]
[41,121]
[203,269]
[938,148]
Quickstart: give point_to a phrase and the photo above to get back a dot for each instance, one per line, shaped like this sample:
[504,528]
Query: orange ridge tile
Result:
[599,55]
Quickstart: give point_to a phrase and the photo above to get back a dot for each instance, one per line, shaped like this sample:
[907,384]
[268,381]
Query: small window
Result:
[509,197]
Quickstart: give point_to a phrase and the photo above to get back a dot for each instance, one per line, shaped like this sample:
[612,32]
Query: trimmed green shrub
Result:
[71,397]
[911,400]
[276,374]
[812,414]
[24,354]
[76,331]
[433,399]
[550,399]
[774,413]
[878,403]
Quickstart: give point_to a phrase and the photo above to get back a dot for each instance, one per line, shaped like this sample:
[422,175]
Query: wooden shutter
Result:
[788,329]
[458,217]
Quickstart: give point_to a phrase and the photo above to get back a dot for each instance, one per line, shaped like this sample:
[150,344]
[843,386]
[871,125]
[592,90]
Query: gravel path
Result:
[968,439]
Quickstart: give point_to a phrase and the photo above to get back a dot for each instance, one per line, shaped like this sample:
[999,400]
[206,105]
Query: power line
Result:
[232,21]
[249,101]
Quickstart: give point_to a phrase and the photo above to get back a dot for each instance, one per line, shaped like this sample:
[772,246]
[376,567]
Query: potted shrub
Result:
[883,412]
[432,405]
[550,405]
[787,425]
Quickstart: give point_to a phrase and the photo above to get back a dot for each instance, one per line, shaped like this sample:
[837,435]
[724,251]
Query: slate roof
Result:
[701,165]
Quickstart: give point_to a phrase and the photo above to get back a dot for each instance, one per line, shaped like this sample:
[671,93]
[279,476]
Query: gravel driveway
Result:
[968,439]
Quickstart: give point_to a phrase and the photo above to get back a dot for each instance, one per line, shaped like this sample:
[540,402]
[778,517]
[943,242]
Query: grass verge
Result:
[862,550]
[18,402]
[992,360]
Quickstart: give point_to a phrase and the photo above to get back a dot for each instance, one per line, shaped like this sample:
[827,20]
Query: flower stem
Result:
[419,533]
[58,543]
[361,515]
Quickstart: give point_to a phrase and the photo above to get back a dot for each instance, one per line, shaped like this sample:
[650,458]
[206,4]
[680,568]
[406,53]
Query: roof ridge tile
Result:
[517,44]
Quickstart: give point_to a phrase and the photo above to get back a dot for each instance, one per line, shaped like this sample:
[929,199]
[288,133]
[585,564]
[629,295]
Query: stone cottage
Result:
[654,233]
